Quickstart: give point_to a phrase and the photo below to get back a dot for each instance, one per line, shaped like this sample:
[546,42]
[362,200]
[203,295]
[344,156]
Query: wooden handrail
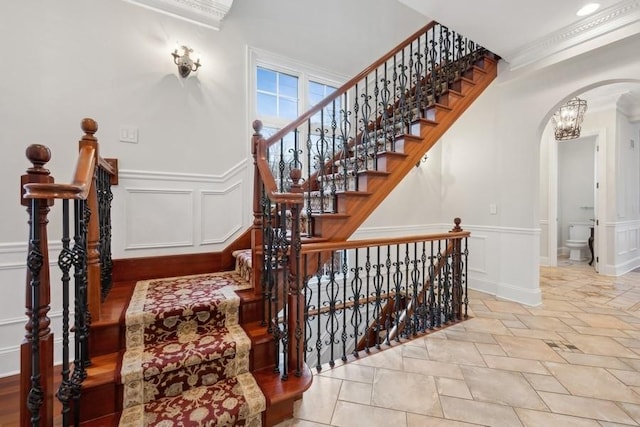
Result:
[348,85]
[79,187]
[364,243]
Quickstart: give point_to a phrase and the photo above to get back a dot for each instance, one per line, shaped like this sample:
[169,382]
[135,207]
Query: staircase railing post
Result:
[36,352]
[94,280]
[257,238]
[456,271]
[296,299]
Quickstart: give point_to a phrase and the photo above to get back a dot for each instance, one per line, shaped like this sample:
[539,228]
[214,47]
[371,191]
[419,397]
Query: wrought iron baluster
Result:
[343,336]
[35,398]
[387,319]
[357,148]
[415,283]
[465,277]
[333,321]
[433,298]
[367,317]
[80,285]
[333,155]
[378,283]
[309,175]
[283,267]
[356,291]
[320,304]
[397,282]
[368,149]
[376,121]
[385,100]
[65,262]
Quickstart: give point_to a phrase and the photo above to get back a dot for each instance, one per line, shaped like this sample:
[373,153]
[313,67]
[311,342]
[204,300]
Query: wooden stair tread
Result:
[103,370]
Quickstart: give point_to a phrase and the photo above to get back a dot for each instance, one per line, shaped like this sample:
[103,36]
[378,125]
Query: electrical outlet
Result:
[129,134]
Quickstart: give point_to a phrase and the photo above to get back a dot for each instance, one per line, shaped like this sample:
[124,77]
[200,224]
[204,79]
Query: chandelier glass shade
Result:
[567,121]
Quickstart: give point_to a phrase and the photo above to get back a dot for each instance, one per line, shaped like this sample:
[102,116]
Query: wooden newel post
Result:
[36,352]
[296,300]
[94,282]
[256,230]
[456,266]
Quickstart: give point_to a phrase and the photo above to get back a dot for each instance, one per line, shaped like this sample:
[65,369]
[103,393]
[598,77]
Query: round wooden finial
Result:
[257,125]
[89,126]
[38,155]
[457,221]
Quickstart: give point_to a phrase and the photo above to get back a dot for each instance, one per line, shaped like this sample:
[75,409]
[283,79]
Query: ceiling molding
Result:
[207,13]
[593,26]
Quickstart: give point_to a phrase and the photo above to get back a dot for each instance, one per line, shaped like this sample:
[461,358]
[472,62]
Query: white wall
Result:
[186,186]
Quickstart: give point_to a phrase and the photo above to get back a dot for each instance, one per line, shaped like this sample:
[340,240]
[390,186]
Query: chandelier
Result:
[568,119]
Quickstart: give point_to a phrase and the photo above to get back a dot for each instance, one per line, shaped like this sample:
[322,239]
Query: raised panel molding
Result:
[219,226]
[158,218]
[137,175]
[477,254]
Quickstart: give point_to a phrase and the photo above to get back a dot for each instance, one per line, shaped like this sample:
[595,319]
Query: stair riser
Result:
[106,339]
[173,383]
[101,400]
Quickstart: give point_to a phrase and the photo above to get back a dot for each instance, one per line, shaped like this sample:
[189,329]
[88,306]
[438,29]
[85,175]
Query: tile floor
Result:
[572,361]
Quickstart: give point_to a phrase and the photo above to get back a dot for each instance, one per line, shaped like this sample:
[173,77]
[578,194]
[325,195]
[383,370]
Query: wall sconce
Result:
[422,160]
[184,62]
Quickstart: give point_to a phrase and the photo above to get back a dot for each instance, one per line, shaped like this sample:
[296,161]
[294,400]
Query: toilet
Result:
[577,243]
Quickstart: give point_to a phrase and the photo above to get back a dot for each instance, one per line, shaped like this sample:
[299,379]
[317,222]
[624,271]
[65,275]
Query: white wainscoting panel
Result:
[159,218]
[221,214]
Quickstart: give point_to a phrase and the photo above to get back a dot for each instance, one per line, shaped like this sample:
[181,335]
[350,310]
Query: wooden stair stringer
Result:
[334,228]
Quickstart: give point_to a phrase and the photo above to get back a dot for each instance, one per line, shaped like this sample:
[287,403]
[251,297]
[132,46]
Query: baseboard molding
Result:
[530,297]
[619,269]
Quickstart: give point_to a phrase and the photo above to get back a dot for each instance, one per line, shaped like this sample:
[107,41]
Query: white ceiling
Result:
[523,32]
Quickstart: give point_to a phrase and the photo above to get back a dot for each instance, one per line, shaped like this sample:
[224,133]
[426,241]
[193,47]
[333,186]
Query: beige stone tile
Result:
[453,388]
[430,367]
[449,351]
[585,407]
[415,352]
[593,360]
[592,382]
[405,391]
[488,414]
[475,337]
[572,321]
[555,305]
[515,364]
[356,392]
[629,342]
[346,413]
[545,383]
[528,348]
[608,424]
[541,312]
[390,358]
[545,323]
[605,332]
[514,324]
[627,377]
[502,387]
[632,409]
[603,321]
[603,346]
[505,307]
[490,326]
[318,403]
[532,418]
[415,420]
[490,349]
[498,316]
[351,372]
[633,363]
[536,333]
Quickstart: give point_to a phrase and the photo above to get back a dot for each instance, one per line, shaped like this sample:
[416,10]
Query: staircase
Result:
[351,151]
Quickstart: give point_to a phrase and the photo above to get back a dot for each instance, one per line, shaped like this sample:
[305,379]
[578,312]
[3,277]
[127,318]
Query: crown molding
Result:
[606,21]
[207,13]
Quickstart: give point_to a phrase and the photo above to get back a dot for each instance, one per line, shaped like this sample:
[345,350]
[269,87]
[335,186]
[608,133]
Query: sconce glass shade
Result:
[184,62]
[567,121]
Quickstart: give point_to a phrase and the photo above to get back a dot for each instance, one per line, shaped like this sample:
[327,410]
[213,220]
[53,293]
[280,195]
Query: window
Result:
[283,89]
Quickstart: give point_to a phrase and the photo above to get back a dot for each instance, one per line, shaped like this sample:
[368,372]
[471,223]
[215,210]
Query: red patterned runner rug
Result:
[187,359]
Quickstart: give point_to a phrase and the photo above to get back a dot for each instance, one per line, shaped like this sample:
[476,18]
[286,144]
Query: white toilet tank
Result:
[579,231]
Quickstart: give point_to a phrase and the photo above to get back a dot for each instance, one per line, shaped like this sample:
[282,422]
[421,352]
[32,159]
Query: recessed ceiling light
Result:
[588,9]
